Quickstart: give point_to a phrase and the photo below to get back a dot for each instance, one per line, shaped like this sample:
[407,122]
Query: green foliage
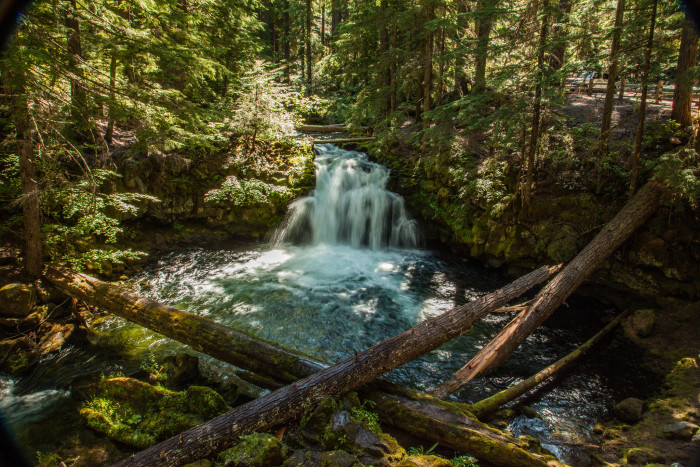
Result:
[464,461]
[48,459]
[84,218]
[679,171]
[369,418]
[420,450]
[246,192]
[260,106]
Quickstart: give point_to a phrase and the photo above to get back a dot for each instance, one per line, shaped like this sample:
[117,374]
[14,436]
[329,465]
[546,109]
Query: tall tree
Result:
[604,139]
[428,61]
[643,103]
[687,58]
[536,108]
[309,64]
[483,38]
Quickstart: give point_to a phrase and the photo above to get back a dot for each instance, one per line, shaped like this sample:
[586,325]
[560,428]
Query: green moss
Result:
[255,450]
[139,414]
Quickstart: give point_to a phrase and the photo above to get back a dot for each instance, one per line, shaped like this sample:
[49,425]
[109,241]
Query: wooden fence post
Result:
[622,89]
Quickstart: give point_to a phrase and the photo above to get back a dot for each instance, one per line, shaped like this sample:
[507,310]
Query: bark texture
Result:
[630,217]
[687,57]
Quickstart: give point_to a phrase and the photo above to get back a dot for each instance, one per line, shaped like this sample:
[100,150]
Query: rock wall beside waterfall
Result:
[231,191]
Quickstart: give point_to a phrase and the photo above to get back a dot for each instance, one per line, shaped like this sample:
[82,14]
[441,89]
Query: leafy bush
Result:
[246,192]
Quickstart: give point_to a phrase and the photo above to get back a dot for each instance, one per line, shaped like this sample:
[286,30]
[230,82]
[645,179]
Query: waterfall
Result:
[350,205]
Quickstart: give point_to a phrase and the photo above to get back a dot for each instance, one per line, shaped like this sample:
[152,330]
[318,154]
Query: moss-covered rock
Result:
[17,355]
[339,459]
[639,324]
[255,450]
[17,300]
[630,410]
[139,414]
[421,460]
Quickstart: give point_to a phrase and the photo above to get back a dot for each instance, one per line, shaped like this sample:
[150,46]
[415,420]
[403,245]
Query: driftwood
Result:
[631,216]
[499,399]
[260,356]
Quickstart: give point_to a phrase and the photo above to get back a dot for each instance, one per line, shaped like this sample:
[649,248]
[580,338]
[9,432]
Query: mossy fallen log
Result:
[267,358]
[637,210]
[501,398]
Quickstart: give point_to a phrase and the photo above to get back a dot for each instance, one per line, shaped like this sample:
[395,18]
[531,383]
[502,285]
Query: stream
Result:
[345,272]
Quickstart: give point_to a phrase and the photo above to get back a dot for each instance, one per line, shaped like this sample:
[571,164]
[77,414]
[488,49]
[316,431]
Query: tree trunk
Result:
[556,59]
[31,213]
[323,25]
[309,65]
[535,127]
[240,349]
[428,64]
[630,217]
[498,400]
[287,47]
[441,67]
[385,61]
[604,138]
[683,92]
[74,49]
[642,104]
[112,98]
[483,34]
[393,87]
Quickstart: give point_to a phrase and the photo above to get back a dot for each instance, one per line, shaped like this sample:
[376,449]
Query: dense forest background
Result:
[469,101]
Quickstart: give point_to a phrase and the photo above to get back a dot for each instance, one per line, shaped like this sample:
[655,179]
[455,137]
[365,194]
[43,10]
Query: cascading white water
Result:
[350,205]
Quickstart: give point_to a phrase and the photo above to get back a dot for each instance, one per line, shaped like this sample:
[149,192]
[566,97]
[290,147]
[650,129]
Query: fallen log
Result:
[334,128]
[343,140]
[288,402]
[637,210]
[492,403]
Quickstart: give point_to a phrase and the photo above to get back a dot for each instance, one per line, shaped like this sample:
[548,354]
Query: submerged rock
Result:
[139,414]
[630,410]
[256,450]
[17,300]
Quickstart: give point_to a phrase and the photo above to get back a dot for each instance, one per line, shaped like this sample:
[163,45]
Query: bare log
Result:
[288,402]
[637,210]
[321,128]
[496,401]
[343,140]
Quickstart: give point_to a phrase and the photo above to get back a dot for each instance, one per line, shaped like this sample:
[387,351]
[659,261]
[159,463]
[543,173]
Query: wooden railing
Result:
[658,92]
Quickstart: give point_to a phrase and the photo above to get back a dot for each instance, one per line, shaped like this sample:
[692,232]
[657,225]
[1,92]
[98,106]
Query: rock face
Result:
[630,410]
[680,430]
[17,300]
[421,460]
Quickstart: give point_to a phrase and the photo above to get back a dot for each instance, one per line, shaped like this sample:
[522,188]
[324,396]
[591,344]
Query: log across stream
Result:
[330,299]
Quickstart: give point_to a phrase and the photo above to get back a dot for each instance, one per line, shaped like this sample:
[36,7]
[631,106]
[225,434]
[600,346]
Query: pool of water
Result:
[342,274]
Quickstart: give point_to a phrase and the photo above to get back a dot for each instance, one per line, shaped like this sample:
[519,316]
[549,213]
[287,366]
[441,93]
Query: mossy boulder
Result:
[630,410]
[17,300]
[643,456]
[422,460]
[339,459]
[680,430]
[17,355]
[255,450]
[139,414]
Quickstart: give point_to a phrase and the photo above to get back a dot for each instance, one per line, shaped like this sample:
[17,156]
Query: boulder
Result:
[630,410]
[640,323]
[681,430]
[255,450]
[643,456]
[338,459]
[17,300]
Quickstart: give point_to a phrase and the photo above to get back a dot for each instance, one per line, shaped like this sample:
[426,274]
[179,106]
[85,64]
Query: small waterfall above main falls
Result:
[350,205]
